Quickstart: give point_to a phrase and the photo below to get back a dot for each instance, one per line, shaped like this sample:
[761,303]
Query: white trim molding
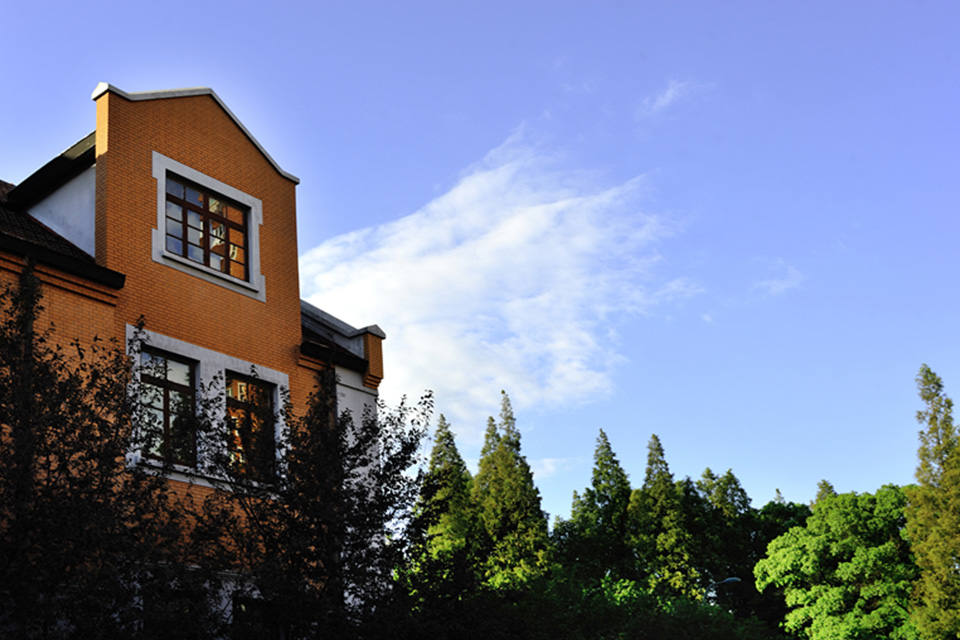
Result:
[211,369]
[256,286]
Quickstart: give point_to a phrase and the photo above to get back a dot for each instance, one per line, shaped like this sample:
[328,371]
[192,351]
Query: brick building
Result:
[172,211]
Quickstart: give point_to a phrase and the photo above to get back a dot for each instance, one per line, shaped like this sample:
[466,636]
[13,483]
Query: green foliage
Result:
[728,540]
[933,515]
[594,540]
[661,513]
[848,573]
[443,560]
[508,503]
[773,520]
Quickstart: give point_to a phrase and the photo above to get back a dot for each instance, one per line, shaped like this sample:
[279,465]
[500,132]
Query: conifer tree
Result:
[933,514]
[659,529]
[728,541]
[594,540]
[445,553]
[508,503]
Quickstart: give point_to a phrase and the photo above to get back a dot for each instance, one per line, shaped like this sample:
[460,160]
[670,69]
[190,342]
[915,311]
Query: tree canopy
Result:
[848,572]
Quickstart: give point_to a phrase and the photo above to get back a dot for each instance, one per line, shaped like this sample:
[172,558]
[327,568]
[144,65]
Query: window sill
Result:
[209,274]
[189,475]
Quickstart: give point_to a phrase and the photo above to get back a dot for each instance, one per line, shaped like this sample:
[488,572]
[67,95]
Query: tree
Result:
[727,541]
[444,558]
[90,543]
[659,514]
[848,573]
[508,503]
[769,523]
[318,546]
[594,540]
[933,514]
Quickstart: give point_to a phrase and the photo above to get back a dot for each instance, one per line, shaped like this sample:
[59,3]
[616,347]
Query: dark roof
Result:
[53,175]
[333,340]
[24,235]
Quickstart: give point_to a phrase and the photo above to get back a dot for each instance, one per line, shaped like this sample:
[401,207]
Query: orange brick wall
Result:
[73,307]
[194,131]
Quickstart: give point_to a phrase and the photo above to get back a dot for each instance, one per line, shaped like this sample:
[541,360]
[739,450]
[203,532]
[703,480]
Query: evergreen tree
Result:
[594,540]
[445,552]
[727,549]
[508,503]
[659,530]
[933,514]
[825,490]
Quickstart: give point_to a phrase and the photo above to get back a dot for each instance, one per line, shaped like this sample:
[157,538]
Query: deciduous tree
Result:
[90,545]
[848,572]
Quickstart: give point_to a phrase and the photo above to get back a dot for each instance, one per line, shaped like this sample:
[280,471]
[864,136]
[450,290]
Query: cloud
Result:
[516,278]
[675,91]
[776,286]
[544,468]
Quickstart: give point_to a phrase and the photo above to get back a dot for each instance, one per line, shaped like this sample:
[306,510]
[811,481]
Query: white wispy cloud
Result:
[676,91]
[791,278]
[513,279]
[544,468]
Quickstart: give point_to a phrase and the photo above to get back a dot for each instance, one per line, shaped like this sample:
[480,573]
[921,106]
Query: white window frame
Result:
[255,286]
[211,366]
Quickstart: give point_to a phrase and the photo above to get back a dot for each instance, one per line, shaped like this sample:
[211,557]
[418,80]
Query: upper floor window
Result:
[205,227]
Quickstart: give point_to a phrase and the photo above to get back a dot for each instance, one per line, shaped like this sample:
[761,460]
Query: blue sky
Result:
[731,224]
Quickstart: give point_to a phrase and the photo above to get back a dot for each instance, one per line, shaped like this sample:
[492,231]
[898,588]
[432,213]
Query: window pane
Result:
[194,236]
[151,364]
[217,233]
[214,205]
[194,219]
[234,215]
[181,441]
[178,372]
[194,196]
[175,246]
[174,211]
[237,270]
[153,432]
[152,397]
[174,188]
[236,253]
[216,262]
[195,253]
[174,228]
[237,237]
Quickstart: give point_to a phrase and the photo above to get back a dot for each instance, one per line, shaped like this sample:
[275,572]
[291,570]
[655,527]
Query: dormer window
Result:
[205,228]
